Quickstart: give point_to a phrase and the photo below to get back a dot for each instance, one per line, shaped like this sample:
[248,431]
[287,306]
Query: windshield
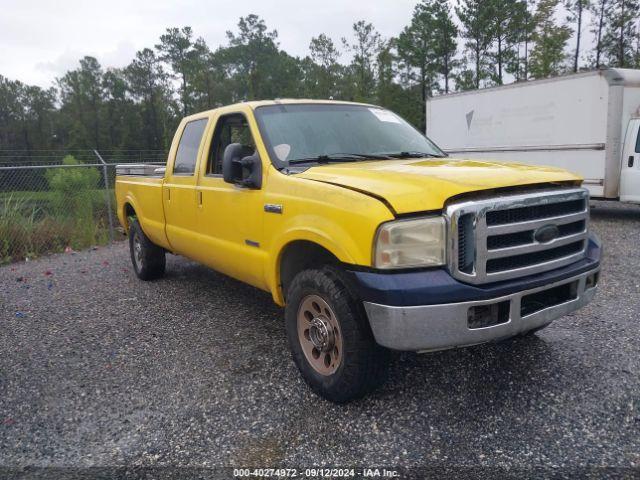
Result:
[322,132]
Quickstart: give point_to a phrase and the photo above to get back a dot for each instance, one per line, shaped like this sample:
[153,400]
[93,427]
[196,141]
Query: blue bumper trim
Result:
[430,287]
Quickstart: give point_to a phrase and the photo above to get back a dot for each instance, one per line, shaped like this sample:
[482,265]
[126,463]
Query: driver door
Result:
[230,217]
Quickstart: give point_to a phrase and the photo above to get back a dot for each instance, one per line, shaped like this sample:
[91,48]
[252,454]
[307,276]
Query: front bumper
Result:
[437,327]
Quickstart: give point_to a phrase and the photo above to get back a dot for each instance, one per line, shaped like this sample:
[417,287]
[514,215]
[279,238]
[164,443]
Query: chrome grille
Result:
[494,239]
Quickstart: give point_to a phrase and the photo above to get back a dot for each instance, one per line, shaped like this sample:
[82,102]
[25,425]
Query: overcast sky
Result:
[41,40]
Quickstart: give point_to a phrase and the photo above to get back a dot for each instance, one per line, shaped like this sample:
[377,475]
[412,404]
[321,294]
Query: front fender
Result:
[318,230]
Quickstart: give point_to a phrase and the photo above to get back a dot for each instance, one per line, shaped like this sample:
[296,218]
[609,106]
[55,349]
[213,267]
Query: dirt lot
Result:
[100,369]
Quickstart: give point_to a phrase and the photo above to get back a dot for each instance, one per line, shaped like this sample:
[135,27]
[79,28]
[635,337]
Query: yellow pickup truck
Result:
[364,230]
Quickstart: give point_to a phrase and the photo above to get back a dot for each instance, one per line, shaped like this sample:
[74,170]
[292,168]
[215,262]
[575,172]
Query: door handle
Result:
[168,194]
[200,198]
[631,159]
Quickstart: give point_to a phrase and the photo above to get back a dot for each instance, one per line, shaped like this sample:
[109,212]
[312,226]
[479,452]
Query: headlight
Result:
[410,243]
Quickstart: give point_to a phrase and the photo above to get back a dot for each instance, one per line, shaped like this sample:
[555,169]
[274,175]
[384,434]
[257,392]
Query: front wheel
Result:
[330,338]
[148,259]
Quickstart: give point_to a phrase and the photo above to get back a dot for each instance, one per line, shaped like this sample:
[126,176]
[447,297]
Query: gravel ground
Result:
[100,369]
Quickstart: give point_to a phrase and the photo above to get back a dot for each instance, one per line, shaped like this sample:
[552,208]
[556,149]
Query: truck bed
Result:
[140,186]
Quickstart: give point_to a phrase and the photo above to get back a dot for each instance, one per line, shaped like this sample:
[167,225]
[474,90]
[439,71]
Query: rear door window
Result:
[187,153]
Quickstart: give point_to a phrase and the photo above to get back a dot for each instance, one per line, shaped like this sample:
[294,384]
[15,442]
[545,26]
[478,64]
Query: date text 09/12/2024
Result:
[314,473]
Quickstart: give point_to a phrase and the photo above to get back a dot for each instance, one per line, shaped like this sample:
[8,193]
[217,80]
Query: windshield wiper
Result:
[339,157]
[413,155]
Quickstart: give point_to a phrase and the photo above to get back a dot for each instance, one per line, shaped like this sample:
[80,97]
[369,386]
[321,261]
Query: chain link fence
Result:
[55,201]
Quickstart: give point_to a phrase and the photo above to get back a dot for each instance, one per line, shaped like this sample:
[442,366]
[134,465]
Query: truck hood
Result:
[417,185]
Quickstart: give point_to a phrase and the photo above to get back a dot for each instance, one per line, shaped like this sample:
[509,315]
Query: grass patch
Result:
[29,232]
[72,213]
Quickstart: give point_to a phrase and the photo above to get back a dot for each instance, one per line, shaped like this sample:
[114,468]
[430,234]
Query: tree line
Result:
[445,47]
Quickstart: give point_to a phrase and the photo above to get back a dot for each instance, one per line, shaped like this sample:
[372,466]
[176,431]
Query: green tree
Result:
[548,55]
[428,47]
[324,69]
[284,72]
[508,26]
[598,10]
[27,116]
[210,83]
[526,39]
[365,47]
[10,111]
[149,86]
[82,96]
[416,48]
[576,10]
[636,63]
[250,56]
[119,112]
[73,190]
[389,93]
[476,17]
[177,49]
[445,39]
[620,32]
[386,65]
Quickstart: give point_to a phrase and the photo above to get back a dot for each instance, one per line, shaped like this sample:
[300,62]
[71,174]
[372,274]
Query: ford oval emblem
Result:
[546,234]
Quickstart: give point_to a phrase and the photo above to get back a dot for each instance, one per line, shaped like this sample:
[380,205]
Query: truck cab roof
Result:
[253,104]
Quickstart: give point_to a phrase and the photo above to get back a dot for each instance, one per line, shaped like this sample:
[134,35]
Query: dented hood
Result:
[416,185]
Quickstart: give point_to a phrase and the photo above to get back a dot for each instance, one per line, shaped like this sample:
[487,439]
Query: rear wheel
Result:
[330,338]
[148,259]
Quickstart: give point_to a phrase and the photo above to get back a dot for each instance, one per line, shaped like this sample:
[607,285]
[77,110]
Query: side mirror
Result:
[240,167]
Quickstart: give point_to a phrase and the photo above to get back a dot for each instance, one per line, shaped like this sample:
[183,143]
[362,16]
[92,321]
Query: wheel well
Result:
[128,212]
[302,255]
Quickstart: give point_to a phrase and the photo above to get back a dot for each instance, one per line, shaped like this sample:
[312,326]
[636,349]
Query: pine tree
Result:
[366,46]
[428,47]
[325,68]
[620,32]
[528,30]
[416,48]
[81,97]
[636,63]
[548,55]
[476,17]
[176,49]
[508,24]
[598,10]
[149,86]
[576,11]
[119,112]
[251,58]
[445,34]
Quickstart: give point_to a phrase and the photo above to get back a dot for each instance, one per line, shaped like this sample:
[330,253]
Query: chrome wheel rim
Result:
[319,335]
[137,251]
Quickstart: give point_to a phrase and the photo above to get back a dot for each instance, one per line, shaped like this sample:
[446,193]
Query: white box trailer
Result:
[588,123]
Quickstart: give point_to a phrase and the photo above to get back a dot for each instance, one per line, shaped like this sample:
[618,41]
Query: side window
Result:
[638,141]
[187,153]
[230,129]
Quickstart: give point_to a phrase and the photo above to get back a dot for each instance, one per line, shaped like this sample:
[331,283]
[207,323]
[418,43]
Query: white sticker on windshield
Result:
[282,151]
[384,115]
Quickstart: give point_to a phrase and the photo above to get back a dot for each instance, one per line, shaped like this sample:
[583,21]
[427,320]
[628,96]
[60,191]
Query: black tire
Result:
[151,261]
[363,364]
